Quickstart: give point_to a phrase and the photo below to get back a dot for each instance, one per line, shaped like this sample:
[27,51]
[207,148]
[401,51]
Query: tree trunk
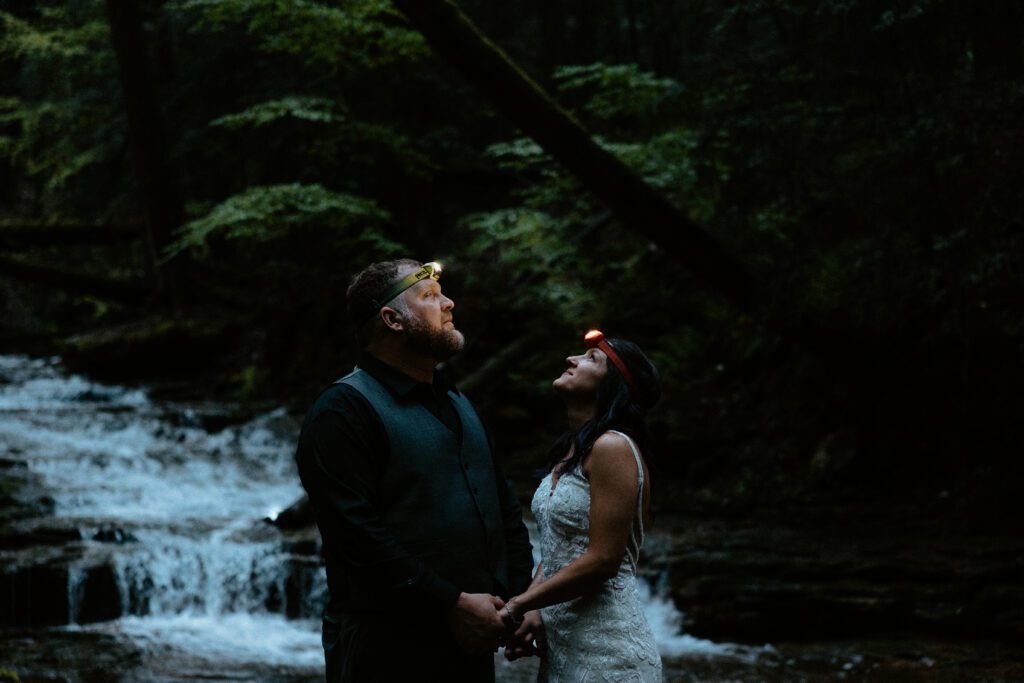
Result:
[639,206]
[148,142]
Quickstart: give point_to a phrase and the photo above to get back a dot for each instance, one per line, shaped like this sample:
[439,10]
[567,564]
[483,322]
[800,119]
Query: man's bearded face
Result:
[439,343]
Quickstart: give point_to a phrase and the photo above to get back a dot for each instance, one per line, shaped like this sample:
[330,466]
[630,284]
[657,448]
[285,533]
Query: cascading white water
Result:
[198,572]
[198,567]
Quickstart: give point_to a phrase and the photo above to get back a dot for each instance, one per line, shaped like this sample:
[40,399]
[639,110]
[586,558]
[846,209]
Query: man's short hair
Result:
[366,288]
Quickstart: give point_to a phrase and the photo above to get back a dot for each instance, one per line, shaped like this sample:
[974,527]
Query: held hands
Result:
[476,623]
[527,632]
[482,622]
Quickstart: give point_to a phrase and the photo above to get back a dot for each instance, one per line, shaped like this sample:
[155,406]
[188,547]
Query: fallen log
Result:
[122,291]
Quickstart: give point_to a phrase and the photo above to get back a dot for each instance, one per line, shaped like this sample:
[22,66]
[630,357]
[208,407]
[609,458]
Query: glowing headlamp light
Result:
[595,340]
[430,270]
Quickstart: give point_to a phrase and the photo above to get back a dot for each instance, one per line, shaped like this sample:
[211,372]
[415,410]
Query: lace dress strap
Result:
[636,536]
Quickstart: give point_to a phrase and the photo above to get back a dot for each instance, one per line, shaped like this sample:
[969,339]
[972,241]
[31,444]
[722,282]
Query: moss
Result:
[247,381]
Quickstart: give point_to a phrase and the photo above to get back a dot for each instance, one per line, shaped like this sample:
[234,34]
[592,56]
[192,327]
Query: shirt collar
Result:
[399,382]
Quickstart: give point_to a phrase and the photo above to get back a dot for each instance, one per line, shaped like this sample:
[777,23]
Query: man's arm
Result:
[340,456]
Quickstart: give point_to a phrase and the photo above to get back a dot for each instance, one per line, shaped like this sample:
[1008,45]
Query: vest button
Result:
[465,465]
[476,490]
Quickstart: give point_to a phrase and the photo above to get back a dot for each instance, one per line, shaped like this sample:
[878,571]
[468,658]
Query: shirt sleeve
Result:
[340,456]
[517,539]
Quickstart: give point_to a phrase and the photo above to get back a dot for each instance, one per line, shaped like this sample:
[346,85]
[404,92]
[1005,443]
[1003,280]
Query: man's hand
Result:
[475,621]
[522,643]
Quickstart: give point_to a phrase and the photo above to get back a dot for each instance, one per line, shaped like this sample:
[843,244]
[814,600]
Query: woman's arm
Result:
[537,578]
[530,631]
[613,498]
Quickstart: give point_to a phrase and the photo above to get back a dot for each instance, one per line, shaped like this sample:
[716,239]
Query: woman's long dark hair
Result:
[616,408]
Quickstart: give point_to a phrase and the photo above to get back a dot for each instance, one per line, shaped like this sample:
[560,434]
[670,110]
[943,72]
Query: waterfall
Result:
[174,553]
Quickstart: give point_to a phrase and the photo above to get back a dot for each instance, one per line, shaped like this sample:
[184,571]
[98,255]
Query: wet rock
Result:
[51,655]
[44,505]
[761,581]
[303,596]
[302,546]
[22,495]
[36,596]
[297,515]
[213,423]
[212,417]
[15,539]
[114,535]
[98,596]
[254,533]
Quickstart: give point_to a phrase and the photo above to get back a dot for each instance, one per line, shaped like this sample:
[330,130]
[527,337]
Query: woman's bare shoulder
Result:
[611,453]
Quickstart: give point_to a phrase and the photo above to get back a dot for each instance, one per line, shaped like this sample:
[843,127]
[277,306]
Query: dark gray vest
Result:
[439,498]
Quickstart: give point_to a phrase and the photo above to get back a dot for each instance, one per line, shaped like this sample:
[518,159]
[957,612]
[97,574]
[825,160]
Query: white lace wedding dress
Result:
[601,637]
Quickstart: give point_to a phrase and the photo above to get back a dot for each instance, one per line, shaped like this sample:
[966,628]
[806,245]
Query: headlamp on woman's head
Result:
[594,339]
[430,270]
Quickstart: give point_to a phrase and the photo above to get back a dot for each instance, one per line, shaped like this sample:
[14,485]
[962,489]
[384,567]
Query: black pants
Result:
[371,648]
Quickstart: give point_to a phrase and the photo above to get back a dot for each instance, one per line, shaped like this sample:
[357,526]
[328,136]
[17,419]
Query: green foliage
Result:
[360,34]
[616,90]
[518,243]
[61,123]
[858,157]
[54,40]
[519,154]
[371,143]
[318,109]
[46,145]
[272,212]
[576,273]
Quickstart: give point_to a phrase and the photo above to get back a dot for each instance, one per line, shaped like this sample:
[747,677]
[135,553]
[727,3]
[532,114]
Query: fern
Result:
[359,34]
[270,212]
[617,90]
[318,109]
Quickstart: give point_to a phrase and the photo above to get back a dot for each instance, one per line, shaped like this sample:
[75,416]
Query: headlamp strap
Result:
[595,339]
[430,270]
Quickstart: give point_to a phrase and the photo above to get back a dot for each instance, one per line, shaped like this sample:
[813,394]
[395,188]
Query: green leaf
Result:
[358,34]
[270,212]
[616,90]
[318,109]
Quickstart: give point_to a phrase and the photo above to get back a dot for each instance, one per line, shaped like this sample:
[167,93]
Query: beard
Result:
[425,341]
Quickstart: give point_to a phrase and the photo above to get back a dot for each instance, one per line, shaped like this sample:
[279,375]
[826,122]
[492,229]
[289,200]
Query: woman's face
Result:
[584,374]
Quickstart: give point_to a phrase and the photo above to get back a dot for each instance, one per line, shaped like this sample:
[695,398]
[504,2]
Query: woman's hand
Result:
[510,616]
[529,639]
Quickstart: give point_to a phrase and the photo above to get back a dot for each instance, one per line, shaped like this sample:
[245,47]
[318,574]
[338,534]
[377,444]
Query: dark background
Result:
[186,189]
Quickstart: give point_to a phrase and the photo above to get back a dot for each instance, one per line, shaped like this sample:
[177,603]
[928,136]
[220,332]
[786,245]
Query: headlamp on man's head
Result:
[430,270]
[594,339]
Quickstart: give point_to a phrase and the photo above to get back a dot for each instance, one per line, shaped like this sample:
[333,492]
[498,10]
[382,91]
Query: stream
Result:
[173,574]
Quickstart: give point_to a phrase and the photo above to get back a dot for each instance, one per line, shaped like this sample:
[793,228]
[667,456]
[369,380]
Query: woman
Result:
[591,510]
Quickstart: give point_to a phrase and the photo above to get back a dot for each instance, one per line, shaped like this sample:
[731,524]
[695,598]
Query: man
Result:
[420,529]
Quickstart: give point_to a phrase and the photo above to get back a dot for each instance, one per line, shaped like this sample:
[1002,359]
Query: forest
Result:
[806,213]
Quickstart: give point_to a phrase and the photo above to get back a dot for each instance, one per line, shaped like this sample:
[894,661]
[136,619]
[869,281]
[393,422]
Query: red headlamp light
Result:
[595,339]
